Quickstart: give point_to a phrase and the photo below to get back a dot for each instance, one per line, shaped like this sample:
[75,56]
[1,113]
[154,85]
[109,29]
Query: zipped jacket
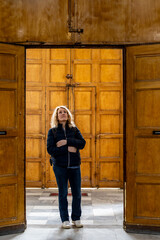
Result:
[62,156]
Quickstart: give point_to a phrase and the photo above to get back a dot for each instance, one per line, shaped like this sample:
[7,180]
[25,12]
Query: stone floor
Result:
[102,216]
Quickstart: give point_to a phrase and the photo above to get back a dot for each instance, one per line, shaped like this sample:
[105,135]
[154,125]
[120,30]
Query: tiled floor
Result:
[102,216]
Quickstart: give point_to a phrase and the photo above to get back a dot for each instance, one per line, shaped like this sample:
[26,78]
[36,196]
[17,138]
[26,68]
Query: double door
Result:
[89,83]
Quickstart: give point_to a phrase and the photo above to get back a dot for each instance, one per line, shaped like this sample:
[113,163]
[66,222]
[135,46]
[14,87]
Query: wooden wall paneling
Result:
[109,22]
[142,21]
[35,117]
[143,181]
[38,21]
[12,195]
[102,21]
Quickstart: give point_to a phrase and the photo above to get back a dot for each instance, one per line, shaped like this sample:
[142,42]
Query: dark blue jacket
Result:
[61,155]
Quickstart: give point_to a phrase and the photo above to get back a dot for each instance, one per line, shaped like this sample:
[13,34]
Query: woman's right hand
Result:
[72,149]
[61,143]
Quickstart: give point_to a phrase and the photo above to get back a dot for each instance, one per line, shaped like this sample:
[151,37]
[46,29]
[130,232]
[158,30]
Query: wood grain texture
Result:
[12,195]
[142,146]
[142,21]
[38,20]
[95,98]
[103,21]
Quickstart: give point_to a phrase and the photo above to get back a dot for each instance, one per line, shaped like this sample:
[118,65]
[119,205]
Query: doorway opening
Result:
[90,83]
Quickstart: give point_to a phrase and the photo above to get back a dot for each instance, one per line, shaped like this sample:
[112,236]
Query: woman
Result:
[63,144]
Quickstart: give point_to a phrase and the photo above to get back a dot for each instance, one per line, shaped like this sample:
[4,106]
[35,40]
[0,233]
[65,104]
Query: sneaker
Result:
[66,225]
[77,223]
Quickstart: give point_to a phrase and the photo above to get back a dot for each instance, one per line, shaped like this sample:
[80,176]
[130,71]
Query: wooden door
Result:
[89,82]
[83,109]
[46,81]
[101,69]
[109,119]
[12,195]
[35,118]
[57,93]
[142,193]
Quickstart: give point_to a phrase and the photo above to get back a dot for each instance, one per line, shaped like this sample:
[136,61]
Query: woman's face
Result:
[62,115]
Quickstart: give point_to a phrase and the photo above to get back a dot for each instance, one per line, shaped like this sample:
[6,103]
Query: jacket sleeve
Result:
[52,149]
[78,141]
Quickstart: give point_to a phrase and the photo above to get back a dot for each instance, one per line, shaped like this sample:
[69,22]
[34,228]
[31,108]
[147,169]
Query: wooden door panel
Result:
[57,97]
[109,99]
[8,108]
[147,68]
[112,175]
[8,60]
[113,123]
[35,117]
[142,159]
[8,145]
[34,155]
[147,207]
[110,54]
[82,54]
[101,69]
[83,73]
[35,67]
[84,115]
[46,68]
[35,129]
[34,99]
[82,66]
[110,73]
[12,196]
[34,73]
[147,105]
[7,192]
[147,162]
[57,66]
[109,145]
[110,136]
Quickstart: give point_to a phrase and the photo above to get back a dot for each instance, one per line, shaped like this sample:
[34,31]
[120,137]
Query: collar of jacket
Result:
[60,125]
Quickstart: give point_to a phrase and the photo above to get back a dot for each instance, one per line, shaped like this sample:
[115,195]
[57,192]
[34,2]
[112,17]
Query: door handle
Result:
[3,132]
[156,132]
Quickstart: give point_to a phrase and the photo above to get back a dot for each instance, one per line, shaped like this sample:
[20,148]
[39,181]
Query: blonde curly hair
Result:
[54,118]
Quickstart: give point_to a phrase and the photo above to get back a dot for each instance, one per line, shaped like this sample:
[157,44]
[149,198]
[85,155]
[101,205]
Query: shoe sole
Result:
[79,226]
[66,227]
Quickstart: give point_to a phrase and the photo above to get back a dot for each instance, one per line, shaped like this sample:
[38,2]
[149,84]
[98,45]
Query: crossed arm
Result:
[63,143]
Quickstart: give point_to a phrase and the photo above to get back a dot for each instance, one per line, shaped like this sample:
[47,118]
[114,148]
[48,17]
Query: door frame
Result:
[13,229]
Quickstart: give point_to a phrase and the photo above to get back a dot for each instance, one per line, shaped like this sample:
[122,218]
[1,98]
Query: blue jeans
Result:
[74,177]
